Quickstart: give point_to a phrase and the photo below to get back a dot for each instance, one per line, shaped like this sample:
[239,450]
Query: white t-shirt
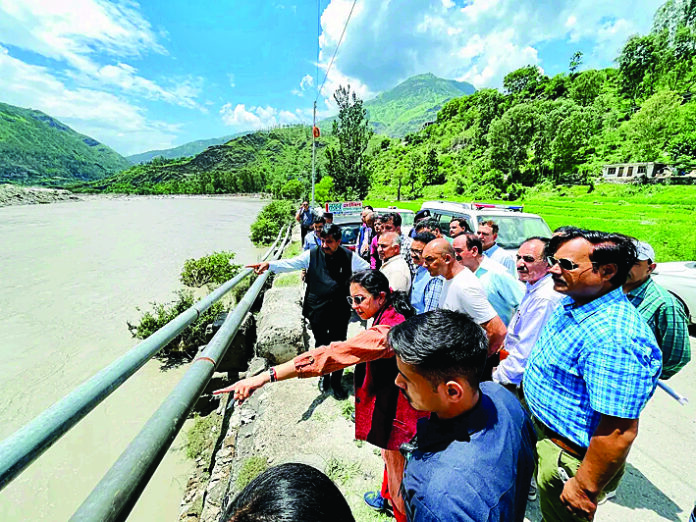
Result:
[464,293]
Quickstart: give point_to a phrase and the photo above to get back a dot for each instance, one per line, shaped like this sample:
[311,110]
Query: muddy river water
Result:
[71,275]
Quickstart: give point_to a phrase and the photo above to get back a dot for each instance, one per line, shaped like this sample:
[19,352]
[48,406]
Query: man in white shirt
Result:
[537,305]
[393,264]
[488,232]
[462,291]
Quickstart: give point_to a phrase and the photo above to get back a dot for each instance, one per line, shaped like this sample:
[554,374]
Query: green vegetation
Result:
[665,216]
[342,471]
[270,220]
[39,150]
[347,163]
[185,345]
[251,468]
[198,443]
[211,269]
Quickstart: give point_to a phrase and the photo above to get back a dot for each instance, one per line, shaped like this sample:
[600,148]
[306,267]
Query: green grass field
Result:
[665,216]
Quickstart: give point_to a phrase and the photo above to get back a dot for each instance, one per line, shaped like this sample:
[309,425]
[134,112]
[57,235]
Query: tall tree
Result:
[575,62]
[348,163]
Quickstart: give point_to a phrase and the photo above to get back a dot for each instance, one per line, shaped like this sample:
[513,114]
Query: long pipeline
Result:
[25,445]
[115,495]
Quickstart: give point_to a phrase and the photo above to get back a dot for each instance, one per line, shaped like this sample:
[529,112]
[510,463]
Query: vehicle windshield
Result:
[515,229]
[407,219]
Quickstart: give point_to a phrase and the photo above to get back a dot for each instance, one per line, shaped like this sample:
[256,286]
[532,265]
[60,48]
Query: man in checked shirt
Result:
[589,375]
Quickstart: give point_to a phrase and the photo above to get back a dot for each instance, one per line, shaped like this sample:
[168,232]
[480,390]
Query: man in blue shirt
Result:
[305,217]
[488,232]
[589,375]
[313,238]
[425,289]
[474,457]
[503,291]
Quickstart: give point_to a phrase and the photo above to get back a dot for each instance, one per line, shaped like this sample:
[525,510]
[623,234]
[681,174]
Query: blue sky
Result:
[154,74]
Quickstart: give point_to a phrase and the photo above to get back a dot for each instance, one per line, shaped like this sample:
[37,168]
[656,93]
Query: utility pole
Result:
[314,151]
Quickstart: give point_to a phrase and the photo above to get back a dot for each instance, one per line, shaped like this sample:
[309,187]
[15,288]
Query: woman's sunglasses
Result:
[357,300]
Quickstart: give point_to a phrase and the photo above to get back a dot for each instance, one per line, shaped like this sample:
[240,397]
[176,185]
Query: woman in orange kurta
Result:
[383,416]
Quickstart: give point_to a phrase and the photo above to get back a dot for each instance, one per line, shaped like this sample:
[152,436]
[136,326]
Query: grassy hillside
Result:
[36,149]
[187,149]
[261,161]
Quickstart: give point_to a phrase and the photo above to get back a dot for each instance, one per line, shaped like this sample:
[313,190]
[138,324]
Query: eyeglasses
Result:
[357,300]
[529,259]
[429,260]
[382,246]
[565,264]
[416,252]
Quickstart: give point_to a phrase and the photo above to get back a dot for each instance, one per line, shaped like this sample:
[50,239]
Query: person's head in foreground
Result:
[370,293]
[440,356]
[289,493]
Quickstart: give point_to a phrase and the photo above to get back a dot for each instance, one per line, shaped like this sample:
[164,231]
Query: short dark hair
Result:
[333,231]
[319,219]
[429,223]
[289,492]
[462,223]
[394,217]
[369,207]
[472,240]
[441,345]
[492,224]
[608,248]
[424,237]
[375,282]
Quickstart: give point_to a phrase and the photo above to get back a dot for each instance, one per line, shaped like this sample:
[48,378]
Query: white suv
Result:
[514,225]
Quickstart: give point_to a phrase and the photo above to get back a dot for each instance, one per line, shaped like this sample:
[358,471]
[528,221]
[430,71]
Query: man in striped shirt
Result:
[664,315]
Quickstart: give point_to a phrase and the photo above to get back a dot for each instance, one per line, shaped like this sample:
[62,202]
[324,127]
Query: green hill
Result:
[187,149]
[405,108]
[36,149]
[263,160]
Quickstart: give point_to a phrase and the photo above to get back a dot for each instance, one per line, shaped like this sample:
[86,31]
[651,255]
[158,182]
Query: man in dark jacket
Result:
[473,458]
[329,269]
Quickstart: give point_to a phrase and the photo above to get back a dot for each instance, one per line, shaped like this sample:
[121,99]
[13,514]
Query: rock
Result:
[280,326]
[242,348]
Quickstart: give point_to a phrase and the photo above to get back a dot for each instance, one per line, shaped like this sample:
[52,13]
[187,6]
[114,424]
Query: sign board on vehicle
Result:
[344,207]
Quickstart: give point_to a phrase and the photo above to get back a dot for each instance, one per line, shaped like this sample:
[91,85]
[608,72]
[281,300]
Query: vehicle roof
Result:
[395,209]
[471,209]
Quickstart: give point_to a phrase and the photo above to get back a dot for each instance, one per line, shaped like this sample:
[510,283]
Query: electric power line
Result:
[337,47]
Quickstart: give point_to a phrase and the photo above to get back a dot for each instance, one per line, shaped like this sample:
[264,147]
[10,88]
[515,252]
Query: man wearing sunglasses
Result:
[589,375]
[538,302]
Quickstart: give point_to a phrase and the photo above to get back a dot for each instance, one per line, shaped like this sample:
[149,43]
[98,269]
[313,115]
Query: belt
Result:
[566,445]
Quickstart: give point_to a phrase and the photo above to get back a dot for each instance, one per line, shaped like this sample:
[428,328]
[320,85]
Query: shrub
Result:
[273,216]
[214,268]
[293,189]
[184,346]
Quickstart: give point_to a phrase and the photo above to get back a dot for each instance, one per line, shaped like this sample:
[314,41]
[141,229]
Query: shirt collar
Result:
[434,433]
[538,284]
[491,250]
[580,313]
[639,292]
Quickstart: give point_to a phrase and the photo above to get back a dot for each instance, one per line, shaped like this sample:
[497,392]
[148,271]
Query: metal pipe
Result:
[115,495]
[673,393]
[28,443]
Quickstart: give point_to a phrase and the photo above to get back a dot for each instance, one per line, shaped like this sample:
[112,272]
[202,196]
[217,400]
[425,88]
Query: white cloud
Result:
[83,33]
[230,77]
[103,116]
[255,117]
[387,42]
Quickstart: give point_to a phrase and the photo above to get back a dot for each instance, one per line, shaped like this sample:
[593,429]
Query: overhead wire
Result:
[336,51]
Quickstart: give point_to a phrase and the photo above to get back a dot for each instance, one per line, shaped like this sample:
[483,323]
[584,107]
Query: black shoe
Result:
[324,383]
[339,393]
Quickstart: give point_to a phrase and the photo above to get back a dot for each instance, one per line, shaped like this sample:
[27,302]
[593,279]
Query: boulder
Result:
[281,333]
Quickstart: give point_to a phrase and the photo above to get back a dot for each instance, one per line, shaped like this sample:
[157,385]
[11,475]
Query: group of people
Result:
[482,389]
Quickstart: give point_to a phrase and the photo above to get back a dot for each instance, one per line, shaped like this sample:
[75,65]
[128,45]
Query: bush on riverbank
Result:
[213,269]
[185,345]
[270,220]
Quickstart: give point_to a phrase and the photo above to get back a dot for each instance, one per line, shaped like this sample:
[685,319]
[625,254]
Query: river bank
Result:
[17,195]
